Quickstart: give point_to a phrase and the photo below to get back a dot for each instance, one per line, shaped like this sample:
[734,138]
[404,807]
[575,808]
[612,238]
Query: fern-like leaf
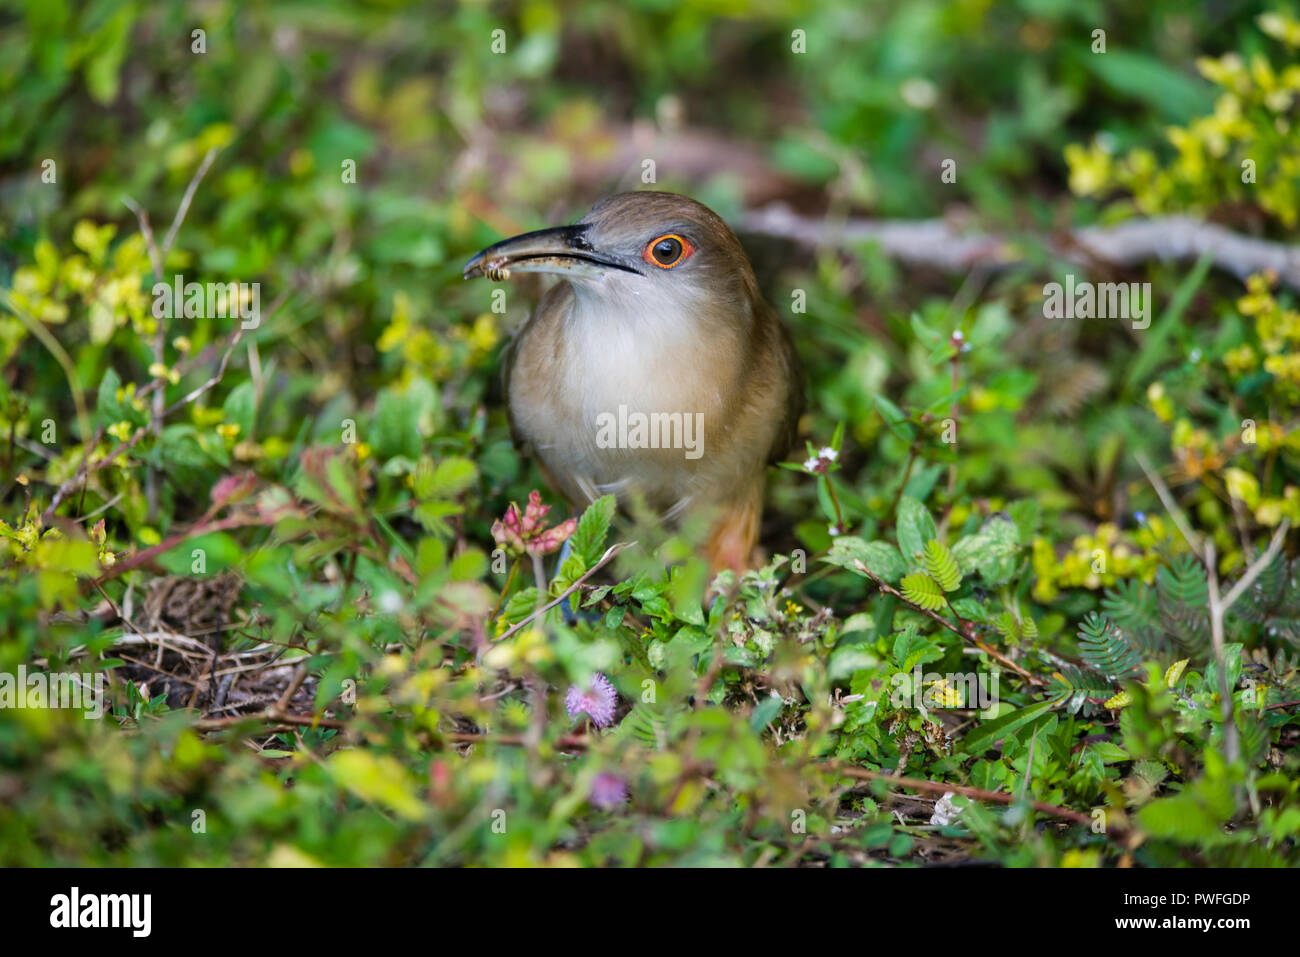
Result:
[1182,595]
[1273,600]
[1079,689]
[1182,582]
[1133,606]
[923,591]
[1014,630]
[1106,649]
[941,565]
[650,727]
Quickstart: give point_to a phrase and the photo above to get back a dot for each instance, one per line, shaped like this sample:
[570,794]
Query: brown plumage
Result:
[657,331]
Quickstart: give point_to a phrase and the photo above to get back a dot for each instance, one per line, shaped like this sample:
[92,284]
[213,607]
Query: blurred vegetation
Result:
[382,694]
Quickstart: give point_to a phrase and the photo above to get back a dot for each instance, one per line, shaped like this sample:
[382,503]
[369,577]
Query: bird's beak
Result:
[563,250]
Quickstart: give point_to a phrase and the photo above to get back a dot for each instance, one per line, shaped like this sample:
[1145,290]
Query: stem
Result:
[907,474]
[502,597]
[941,787]
[604,560]
[966,632]
[835,501]
[539,577]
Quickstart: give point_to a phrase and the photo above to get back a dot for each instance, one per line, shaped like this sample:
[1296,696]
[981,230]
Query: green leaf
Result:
[915,527]
[520,605]
[105,61]
[447,479]
[203,555]
[1107,649]
[380,779]
[1175,95]
[880,557]
[990,731]
[588,540]
[895,419]
[402,418]
[1027,517]
[993,551]
[107,407]
[922,590]
[938,561]
[1014,630]
[240,408]
[764,712]
[911,649]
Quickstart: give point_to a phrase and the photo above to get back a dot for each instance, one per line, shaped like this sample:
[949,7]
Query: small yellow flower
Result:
[1160,404]
[228,430]
[160,371]
[1240,360]
[945,694]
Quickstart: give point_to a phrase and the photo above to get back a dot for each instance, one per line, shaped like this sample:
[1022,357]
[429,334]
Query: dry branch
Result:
[941,244]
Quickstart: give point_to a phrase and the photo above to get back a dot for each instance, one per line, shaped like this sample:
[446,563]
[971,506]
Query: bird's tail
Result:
[733,537]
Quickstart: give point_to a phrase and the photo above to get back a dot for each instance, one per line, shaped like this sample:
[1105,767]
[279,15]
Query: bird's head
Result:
[648,246]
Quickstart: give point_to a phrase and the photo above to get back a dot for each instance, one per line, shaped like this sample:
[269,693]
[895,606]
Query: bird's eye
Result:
[667,251]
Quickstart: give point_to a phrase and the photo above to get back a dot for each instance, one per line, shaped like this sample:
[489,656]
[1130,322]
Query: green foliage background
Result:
[363,455]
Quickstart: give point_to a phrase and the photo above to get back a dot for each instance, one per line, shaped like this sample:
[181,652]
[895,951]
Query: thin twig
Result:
[1167,500]
[1231,743]
[604,560]
[158,259]
[568,742]
[301,720]
[184,207]
[1219,605]
[942,787]
[1258,566]
[967,634]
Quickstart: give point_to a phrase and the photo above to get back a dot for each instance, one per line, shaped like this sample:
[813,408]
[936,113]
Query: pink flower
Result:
[596,701]
[607,791]
[527,532]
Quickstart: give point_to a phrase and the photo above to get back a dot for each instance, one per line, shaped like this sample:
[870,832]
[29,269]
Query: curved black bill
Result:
[563,250]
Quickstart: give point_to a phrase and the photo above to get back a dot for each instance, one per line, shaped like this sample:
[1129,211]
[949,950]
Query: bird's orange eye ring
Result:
[667,251]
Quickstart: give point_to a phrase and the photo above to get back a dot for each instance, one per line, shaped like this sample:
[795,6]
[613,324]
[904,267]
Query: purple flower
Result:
[607,791]
[596,701]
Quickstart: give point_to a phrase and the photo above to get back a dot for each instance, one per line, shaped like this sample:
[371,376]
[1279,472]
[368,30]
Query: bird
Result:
[654,369]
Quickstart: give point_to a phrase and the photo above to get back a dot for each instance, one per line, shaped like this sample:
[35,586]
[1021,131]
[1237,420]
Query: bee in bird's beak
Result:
[562,250]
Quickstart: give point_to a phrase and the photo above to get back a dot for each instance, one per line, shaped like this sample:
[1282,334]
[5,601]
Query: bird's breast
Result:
[625,403]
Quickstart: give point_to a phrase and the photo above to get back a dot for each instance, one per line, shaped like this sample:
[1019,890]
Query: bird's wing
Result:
[788,433]
[508,356]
